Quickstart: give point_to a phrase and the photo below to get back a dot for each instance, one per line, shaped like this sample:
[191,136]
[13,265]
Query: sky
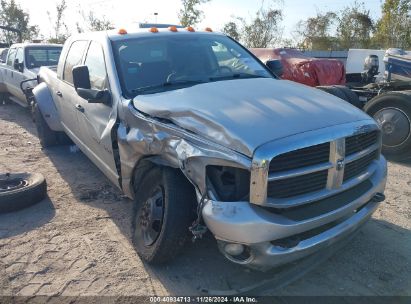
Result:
[217,12]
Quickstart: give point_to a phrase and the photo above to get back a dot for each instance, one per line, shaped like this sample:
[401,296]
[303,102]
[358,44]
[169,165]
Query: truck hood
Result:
[243,114]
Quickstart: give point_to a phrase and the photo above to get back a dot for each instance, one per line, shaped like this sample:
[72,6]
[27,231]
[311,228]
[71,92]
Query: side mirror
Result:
[81,77]
[19,66]
[276,67]
[81,82]
[94,96]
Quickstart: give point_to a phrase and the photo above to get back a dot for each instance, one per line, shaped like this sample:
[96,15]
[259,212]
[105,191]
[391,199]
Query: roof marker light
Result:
[154,30]
[122,31]
[173,29]
[190,29]
[208,29]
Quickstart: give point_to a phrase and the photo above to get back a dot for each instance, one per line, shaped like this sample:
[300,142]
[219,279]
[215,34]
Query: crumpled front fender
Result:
[141,137]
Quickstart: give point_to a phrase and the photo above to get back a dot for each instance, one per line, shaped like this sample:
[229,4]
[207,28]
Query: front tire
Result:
[163,213]
[392,111]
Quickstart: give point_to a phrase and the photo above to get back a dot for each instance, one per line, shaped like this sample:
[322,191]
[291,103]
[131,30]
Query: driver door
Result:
[96,120]
[65,95]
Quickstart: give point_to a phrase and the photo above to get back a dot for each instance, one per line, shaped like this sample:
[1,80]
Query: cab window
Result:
[19,55]
[42,56]
[96,66]
[73,58]
[12,55]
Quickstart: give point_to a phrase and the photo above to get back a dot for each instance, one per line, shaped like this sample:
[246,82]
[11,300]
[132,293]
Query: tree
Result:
[394,27]
[59,25]
[94,23]
[315,31]
[13,16]
[99,23]
[190,14]
[260,31]
[355,27]
[264,29]
[231,29]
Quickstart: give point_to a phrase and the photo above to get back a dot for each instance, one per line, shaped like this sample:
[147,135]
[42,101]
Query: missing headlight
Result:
[229,184]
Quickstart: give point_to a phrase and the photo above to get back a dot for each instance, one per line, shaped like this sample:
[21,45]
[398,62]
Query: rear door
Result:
[96,119]
[65,95]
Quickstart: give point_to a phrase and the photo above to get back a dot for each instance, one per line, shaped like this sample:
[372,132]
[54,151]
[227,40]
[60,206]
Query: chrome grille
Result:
[301,158]
[357,143]
[358,166]
[322,168]
[297,185]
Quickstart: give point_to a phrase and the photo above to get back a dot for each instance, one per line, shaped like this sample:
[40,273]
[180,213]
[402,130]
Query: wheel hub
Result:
[395,125]
[151,216]
[388,127]
[10,184]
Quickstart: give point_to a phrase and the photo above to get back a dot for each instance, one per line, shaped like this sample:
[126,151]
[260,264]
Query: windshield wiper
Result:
[170,84]
[236,76]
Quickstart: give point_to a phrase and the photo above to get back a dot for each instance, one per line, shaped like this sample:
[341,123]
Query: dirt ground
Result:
[77,241]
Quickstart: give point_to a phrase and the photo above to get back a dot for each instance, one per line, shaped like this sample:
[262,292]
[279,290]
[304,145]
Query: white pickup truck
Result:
[22,63]
[201,134]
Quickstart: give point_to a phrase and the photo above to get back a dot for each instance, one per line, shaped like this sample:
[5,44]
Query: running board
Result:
[18,101]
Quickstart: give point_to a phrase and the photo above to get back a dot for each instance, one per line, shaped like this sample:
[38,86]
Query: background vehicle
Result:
[3,55]
[388,101]
[384,97]
[23,62]
[202,135]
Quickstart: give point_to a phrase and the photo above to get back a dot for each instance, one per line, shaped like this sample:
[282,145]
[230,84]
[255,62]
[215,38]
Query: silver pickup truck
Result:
[200,134]
[22,63]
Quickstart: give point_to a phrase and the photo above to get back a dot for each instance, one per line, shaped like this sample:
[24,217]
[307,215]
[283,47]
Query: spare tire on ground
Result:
[21,190]
[344,93]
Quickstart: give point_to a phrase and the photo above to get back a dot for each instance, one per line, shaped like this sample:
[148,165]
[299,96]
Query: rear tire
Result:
[392,111]
[47,136]
[163,214]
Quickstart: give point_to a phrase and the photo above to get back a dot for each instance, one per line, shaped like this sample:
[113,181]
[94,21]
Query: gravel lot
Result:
[77,242]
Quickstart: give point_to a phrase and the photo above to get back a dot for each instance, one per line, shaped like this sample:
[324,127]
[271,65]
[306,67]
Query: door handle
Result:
[80,108]
[59,94]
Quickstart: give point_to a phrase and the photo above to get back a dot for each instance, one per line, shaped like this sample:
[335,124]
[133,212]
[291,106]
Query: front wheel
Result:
[163,214]
[392,112]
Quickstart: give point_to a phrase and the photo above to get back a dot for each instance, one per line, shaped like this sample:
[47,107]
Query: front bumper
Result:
[258,228]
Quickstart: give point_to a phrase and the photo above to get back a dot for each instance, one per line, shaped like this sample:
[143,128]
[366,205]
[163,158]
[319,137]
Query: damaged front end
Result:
[265,213]
[205,164]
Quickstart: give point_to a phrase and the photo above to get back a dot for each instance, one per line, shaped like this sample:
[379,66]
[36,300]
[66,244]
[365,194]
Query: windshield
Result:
[153,64]
[37,57]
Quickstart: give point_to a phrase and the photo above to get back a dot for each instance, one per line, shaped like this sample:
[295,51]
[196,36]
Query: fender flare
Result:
[45,102]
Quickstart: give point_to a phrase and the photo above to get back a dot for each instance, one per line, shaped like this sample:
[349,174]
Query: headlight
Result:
[229,184]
